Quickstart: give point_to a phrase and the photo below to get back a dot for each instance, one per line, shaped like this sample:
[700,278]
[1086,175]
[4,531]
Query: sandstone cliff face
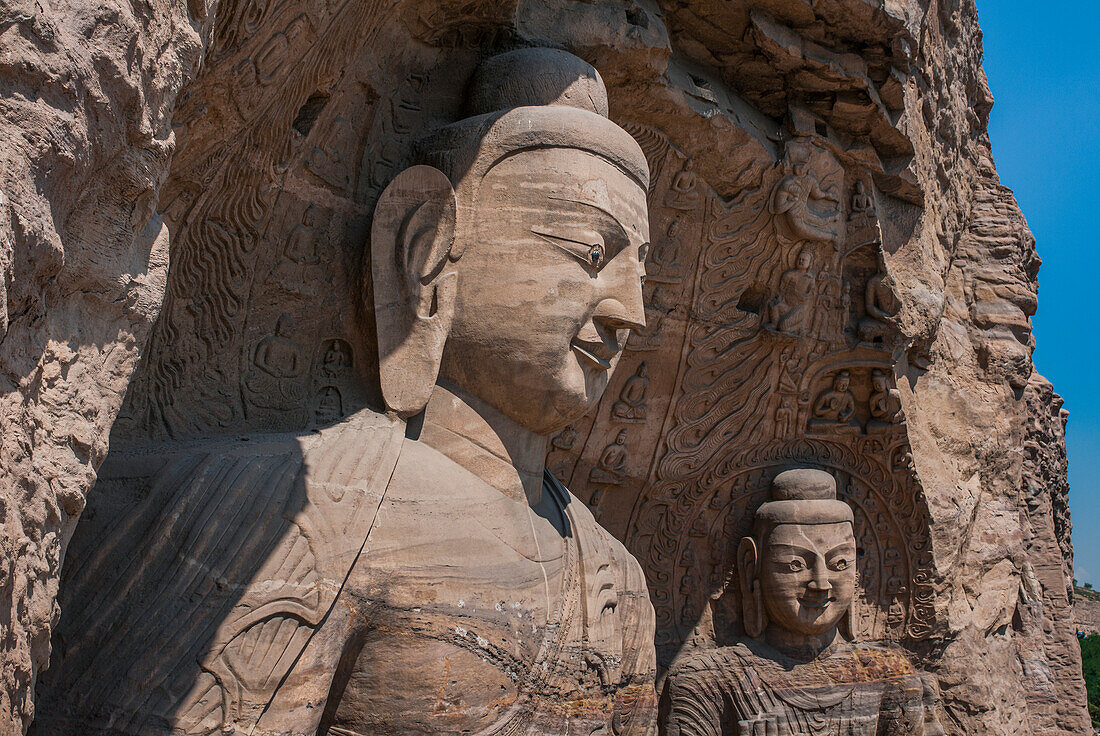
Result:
[1049,651]
[300,117]
[87,93]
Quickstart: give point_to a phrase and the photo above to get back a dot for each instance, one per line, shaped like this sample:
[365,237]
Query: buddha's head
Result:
[509,264]
[878,381]
[842,381]
[797,570]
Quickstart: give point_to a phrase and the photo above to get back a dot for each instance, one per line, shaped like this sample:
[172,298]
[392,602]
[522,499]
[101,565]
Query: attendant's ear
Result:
[748,574]
[414,283]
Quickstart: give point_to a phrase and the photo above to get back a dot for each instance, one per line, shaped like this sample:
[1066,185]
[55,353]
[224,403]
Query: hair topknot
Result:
[532,77]
[803,484]
[802,496]
[529,99]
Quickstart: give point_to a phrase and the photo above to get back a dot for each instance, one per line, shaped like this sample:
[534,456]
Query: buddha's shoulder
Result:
[599,542]
[361,445]
[427,478]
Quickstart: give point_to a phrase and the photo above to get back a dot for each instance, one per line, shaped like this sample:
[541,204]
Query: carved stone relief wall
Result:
[262,207]
[822,282]
[770,340]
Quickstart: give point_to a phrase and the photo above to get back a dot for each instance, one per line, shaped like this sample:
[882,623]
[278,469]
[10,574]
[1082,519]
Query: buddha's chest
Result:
[493,624]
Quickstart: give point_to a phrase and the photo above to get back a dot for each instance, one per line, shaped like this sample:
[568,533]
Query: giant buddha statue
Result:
[794,673]
[413,571]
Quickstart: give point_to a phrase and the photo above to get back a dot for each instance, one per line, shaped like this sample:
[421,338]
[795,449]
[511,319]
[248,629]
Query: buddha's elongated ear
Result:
[414,283]
[752,604]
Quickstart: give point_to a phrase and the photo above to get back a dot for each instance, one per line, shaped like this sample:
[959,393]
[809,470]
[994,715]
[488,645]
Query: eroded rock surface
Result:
[87,96]
[837,279]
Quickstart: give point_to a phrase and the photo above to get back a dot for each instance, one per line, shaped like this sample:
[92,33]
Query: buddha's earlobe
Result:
[752,603]
[414,286]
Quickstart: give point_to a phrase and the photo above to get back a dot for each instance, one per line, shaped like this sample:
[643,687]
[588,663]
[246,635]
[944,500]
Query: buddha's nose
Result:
[612,314]
[820,581]
[621,306]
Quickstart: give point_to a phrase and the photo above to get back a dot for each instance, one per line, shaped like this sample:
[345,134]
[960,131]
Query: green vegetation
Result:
[1090,658]
[1086,592]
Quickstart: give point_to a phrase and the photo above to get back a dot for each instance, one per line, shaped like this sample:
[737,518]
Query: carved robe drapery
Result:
[259,586]
[853,690]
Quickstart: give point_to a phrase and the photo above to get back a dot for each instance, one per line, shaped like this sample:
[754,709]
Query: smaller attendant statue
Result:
[276,381]
[784,418]
[611,468]
[804,210]
[880,304]
[663,262]
[794,673]
[863,207]
[885,403]
[631,404]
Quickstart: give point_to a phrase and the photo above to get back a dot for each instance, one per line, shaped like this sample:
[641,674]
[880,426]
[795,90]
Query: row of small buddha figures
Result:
[819,304]
[416,571]
[834,409]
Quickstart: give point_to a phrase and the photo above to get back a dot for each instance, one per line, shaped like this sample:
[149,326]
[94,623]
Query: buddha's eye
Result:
[796,565]
[840,564]
[586,246]
[596,254]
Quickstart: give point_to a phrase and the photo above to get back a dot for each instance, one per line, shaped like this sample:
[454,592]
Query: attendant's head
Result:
[797,570]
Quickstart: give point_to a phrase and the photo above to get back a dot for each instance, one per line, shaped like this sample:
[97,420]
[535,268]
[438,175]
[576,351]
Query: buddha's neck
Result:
[485,442]
[801,646]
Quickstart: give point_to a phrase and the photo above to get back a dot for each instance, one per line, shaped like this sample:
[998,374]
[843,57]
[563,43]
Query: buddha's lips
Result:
[816,601]
[596,352]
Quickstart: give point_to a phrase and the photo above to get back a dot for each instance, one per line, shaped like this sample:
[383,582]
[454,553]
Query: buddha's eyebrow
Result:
[593,205]
[843,547]
[793,548]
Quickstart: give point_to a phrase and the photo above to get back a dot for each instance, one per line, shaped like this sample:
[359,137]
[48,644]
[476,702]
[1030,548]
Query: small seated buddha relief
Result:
[794,673]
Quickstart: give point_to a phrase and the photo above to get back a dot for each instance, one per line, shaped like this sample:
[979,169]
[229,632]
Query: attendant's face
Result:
[808,575]
[550,285]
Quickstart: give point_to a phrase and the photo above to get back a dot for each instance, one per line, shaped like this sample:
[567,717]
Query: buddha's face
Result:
[808,575]
[841,383]
[550,285]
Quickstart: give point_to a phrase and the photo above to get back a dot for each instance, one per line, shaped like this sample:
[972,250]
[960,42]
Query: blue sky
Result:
[1045,128]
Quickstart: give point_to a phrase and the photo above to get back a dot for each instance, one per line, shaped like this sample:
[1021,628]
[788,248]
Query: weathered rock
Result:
[1046,612]
[87,96]
[1086,615]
